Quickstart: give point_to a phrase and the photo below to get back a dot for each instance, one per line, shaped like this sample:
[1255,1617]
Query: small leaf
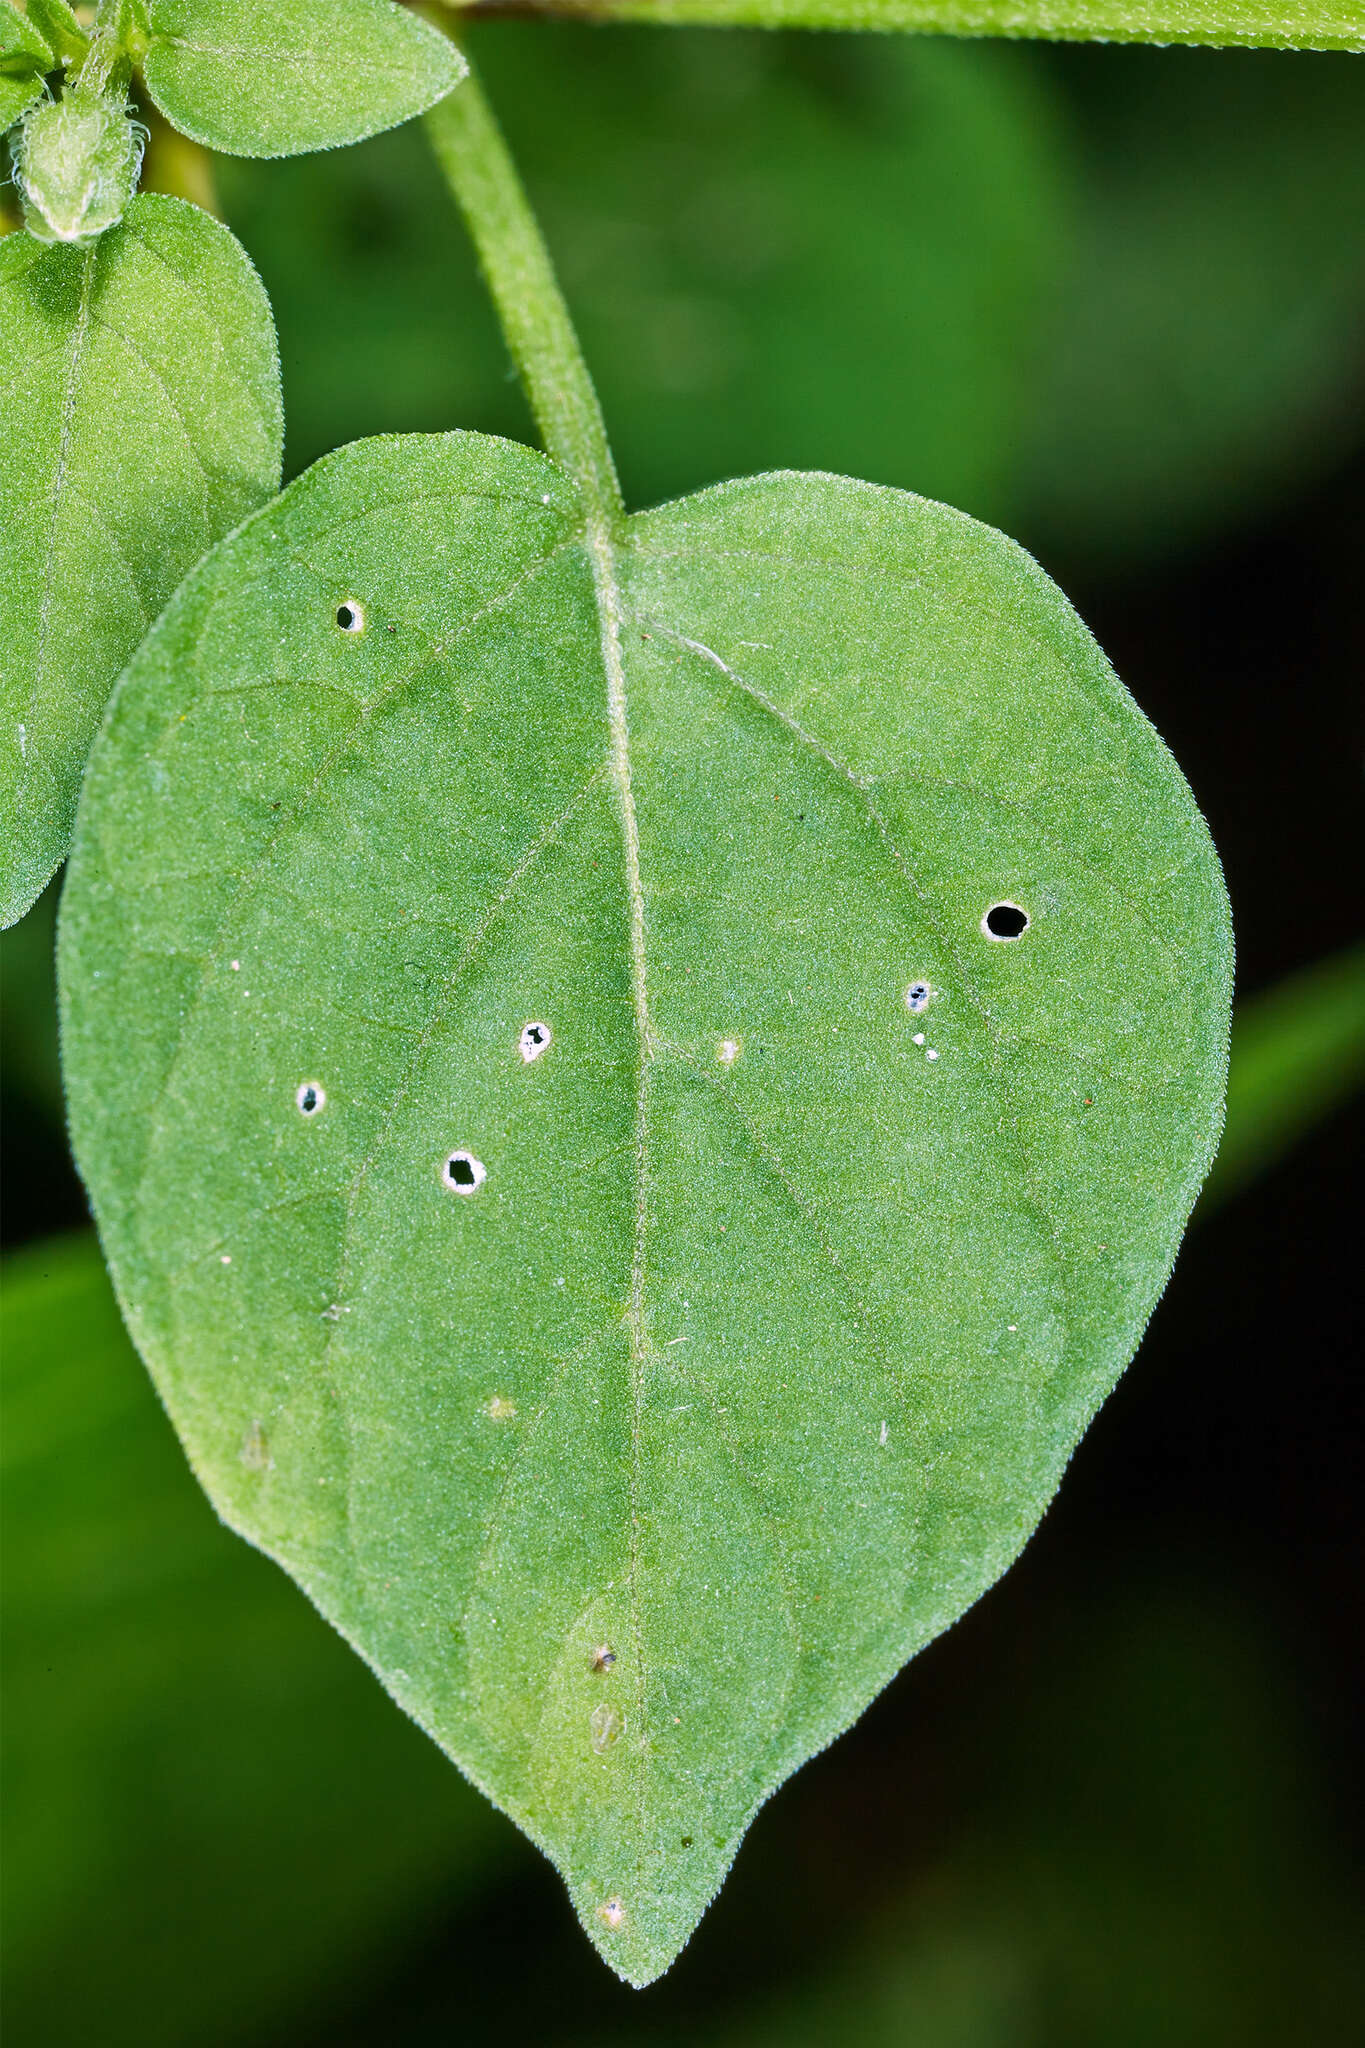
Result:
[60,28]
[308,74]
[142,421]
[24,58]
[1268,24]
[548,1043]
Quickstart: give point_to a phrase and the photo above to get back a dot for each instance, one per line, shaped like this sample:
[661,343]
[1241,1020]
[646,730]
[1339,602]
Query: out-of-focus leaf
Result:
[1272,24]
[826,252]
[24,58]
[293,75]
[1207,353]
[214,1818]
[60,29]
[607,1200]
[141,420]
[1297,1051]
[28,1008]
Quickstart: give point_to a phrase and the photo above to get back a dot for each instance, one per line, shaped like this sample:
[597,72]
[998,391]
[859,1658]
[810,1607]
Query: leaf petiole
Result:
[535,320]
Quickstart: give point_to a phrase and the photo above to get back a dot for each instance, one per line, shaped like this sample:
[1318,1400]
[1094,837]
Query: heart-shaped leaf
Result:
[638,1093]
[303,74]
[141,421]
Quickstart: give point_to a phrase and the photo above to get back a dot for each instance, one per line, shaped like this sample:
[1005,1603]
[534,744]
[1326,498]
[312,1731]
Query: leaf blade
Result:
[332,73]
[783,1203]
[161,328]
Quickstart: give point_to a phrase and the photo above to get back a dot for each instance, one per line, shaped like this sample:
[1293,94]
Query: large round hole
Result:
[1005,921]
[463,1173]
[351,617]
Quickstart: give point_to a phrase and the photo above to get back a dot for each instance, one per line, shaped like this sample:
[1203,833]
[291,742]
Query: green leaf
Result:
[60,28]
[1298,1051]
[169,1696]
[24,58]
[599,1207]
[142,421]
[308,75]
[1271,24]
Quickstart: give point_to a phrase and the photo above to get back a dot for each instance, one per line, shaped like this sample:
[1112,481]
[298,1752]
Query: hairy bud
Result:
[76,162]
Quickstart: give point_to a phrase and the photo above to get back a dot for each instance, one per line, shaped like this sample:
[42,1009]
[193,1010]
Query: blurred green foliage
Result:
[1297,1052]
[212,1811]
[1111,300]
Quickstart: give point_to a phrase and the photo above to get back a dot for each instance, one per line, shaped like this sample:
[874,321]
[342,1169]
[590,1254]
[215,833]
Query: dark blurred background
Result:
[1114,301]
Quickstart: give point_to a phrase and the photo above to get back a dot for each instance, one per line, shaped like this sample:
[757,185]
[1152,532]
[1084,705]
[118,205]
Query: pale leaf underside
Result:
[1264,24]
[637,1393]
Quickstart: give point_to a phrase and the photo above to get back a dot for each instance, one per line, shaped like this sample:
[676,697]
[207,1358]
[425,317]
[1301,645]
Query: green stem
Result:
[535,320]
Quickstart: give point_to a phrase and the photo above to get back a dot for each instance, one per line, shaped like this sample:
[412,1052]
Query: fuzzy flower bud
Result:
[76,162]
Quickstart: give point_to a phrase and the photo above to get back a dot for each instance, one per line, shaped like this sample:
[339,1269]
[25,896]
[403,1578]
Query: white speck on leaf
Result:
[611,1913]
[499,1408]
[728,1051]
[255,1451]
[605,1725]
[919,1038]
[884,1433]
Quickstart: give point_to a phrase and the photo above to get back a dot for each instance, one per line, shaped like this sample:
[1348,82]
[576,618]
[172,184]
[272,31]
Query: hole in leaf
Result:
[1005,921]
[534,1040]
[602,1658]
[311,1096]
[463,1172]
[351,616]
[917,996]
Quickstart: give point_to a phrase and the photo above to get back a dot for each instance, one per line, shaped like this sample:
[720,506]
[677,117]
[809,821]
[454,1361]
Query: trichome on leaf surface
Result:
[640,1075]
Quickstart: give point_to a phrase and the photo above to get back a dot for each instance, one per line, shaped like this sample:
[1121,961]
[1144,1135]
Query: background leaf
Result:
[1275,24]
[142,421]
[303,74]
[1298,1051]
[208,1801]
[1205,352]
[24,57]
[758,1344]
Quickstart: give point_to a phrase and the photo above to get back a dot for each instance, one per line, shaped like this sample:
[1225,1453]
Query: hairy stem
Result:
[535,320]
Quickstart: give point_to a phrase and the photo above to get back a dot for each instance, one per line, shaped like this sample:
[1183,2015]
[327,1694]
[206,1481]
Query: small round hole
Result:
[463,1173]
[917,996]
[351,616]
[534,1040]
[1005,921]
[310,1097]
